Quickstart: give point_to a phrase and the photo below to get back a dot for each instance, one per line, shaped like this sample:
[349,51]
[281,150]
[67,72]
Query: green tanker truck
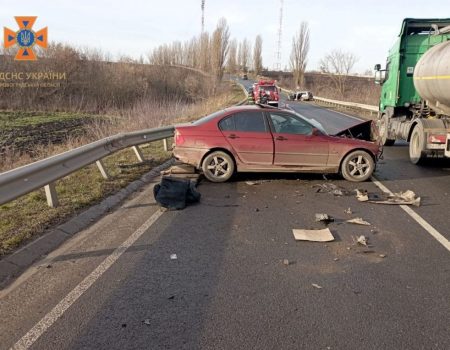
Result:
[415,89]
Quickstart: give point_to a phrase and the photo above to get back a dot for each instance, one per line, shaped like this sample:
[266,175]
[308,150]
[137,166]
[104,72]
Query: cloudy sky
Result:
[366,28]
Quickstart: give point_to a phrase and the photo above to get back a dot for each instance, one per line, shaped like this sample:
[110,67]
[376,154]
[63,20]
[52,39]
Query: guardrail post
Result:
[166,145]
[138,153]
[102,169]
[52,196]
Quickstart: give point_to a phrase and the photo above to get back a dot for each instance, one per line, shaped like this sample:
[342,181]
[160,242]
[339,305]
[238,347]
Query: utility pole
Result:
[203,16]
[277,65]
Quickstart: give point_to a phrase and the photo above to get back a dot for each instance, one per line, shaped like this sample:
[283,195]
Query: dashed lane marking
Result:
[48,320]
[422,222]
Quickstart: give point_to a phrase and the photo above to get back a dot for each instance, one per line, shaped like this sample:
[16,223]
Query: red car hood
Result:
[362,131]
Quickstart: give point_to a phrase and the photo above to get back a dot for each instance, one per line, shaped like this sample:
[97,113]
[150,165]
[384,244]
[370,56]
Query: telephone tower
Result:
[277,65]
[203,16]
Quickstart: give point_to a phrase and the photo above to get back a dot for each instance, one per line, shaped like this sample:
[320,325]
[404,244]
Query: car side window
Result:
[250,121]
[288,124]
[227,124]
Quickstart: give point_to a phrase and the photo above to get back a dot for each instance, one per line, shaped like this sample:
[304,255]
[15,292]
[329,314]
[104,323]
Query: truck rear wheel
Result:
[383,129]
[417,145]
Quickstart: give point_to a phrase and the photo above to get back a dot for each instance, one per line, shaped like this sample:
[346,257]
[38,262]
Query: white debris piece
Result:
[401,198]
[362,195]
[358,221]
[324,235]
[324,217]
[348,211]
[316,286]
[173,257]
[362,240]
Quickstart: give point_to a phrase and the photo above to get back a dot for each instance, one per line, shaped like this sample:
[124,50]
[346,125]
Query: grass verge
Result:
[29,216]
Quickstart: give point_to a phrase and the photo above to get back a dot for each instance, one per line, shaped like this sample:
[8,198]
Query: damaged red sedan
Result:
[267,139]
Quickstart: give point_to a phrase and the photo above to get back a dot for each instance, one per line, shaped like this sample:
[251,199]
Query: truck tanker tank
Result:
[432,77]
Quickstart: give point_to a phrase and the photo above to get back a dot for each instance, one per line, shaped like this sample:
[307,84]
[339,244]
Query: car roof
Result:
[253,108]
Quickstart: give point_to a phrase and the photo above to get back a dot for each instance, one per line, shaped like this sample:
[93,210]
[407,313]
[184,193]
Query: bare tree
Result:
[219,47]
[204,59]
[232,63]
[337,65]
[257,55]
[245,54]
[299,54]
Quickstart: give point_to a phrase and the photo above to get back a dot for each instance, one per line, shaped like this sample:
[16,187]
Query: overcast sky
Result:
[132,27]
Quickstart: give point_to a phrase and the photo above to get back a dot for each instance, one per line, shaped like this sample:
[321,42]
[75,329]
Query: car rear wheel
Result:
[218,166]
[357,166]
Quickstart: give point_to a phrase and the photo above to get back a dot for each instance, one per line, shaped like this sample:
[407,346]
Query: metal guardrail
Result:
[43,173]
[20,181]
[370,108]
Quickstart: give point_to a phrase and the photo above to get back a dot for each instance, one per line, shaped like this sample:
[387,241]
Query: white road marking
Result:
[430,229]
[48,320]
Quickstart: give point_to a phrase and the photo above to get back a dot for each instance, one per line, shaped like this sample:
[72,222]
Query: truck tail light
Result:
[437,138]
[179,140]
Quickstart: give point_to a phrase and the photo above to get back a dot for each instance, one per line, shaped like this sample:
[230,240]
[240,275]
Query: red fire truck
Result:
[266,92]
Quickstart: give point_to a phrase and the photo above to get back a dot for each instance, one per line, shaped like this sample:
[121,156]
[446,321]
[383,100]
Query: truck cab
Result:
[401,106]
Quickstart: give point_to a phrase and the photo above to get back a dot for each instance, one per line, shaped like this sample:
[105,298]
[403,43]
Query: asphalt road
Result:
[229,287]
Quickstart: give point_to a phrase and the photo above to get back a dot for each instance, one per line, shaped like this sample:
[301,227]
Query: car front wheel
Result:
[218,166]
[357,166]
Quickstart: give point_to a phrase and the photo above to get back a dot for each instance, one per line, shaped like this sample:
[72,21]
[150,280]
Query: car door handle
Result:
[233,136]
[281,138]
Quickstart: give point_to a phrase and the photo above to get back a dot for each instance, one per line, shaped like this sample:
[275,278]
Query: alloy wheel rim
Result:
[358,166]
[218,167]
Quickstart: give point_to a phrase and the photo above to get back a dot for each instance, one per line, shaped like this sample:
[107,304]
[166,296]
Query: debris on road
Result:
[324,218]
[175,193]
[330,188]
[179,169]
[173,257]
[147,322]
[251,183]
[362,195]
[382,255]
[324,235]
[400,198]
[316,286]
[348,211]
[286,262]
[362,240]
[358,221]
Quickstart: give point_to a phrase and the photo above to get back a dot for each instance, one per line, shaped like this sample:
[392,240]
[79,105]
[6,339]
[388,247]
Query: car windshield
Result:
[268,88]
[314,123]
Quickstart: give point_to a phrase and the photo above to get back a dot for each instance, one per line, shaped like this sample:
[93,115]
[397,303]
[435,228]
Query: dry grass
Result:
[86,186]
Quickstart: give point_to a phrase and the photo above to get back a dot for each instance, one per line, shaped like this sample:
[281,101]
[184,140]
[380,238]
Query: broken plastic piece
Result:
[324,235]
[316,286]
[362,195]
[401,198]
[251,183]
[358,221]
[173,257]
[362,240]
[324,218]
